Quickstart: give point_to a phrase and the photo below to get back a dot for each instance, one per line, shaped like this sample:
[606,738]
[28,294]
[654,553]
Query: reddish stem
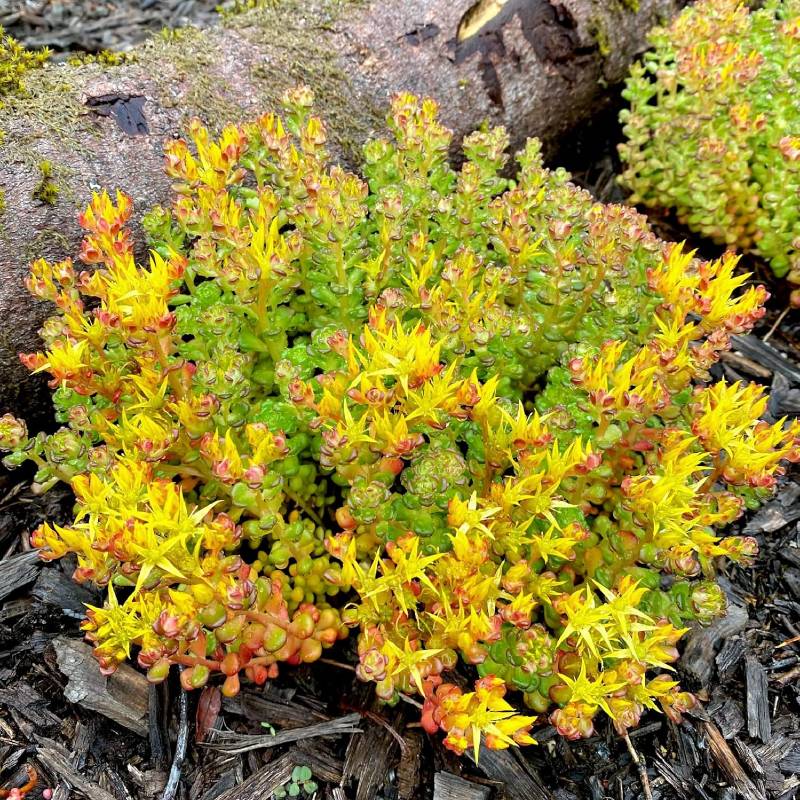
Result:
[193,661]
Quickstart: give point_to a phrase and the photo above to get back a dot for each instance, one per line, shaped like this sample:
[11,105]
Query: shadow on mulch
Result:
[118,738]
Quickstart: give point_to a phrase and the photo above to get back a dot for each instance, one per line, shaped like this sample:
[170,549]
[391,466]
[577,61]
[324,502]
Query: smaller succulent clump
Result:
[15,61]
[107,58]
[713,129]
[230,8]
[46,190]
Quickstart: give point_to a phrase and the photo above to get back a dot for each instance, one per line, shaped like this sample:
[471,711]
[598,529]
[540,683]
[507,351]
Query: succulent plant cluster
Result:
[15,61]
[713,129]
[467,416]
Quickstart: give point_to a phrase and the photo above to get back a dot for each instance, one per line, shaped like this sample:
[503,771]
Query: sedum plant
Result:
[15,62]
[469,418]
[713,129]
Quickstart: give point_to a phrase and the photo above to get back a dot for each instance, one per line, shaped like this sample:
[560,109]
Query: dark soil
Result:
[744,742]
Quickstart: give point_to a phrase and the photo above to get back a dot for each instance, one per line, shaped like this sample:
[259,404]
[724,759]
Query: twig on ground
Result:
[171,789]
[648,793]
[333,663]
[229,742]
[776,323]
[378,719]
[787,642]
[410,700]
[741,362]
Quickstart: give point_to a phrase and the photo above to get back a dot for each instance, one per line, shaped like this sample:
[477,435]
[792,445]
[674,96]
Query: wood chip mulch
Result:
[95,25]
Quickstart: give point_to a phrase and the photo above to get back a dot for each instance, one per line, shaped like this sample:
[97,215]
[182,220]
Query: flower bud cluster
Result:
[467,417]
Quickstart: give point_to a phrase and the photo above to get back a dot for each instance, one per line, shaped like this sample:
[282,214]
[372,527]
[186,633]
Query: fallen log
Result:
[537,66]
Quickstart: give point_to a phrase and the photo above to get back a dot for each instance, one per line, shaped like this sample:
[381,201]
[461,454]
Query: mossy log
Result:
[537,66]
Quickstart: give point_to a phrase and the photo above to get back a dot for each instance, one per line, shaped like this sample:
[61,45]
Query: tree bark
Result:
[538,67]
